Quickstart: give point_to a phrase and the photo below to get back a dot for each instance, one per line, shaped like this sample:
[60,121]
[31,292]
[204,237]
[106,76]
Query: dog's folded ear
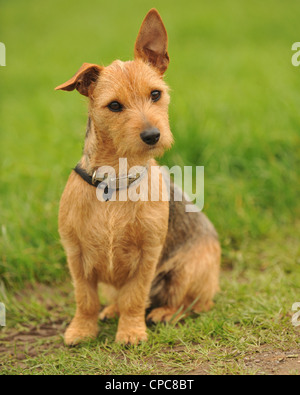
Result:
[152,42]
[84,80]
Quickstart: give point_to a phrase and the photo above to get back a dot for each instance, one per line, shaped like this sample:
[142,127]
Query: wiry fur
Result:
[149,253]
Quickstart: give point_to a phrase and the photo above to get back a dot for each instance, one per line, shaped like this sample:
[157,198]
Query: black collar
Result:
[108,184]
[85,176]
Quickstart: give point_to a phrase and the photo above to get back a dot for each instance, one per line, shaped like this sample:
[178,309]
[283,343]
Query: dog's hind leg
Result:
[186,282]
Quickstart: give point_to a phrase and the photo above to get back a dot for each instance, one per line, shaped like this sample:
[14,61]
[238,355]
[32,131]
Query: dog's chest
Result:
[119,240]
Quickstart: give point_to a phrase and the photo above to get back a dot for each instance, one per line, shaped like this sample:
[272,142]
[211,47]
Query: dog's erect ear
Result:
[152,42]
[84,80]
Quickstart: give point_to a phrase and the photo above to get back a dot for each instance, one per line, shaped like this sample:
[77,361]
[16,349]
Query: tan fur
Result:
[131,246]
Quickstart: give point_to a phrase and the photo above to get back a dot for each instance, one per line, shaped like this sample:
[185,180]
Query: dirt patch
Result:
[30,341]
[275,362]
[267,361]
[24,340]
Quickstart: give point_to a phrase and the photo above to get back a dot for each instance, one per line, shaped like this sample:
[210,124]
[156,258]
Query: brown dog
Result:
[149,253]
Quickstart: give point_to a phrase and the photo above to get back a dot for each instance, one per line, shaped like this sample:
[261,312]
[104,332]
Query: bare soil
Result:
[267,361]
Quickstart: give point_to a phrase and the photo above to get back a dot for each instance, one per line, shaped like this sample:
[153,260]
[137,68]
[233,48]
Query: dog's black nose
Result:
[150,136]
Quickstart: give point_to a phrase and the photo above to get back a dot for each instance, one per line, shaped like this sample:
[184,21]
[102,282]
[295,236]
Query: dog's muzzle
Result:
[150,136]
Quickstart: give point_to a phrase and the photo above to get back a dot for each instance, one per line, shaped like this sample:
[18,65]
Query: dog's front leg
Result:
[85,322]
[132,301]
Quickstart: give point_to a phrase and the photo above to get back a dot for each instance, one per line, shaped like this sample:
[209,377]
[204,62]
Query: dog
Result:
[150,255]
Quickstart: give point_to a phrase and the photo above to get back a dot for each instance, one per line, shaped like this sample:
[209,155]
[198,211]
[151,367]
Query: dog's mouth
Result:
[155,150]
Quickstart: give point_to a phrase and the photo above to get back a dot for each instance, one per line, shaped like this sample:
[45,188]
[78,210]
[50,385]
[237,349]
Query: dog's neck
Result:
[100,152]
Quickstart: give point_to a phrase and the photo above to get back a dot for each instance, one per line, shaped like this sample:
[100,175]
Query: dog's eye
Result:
[115,106]
[155,95]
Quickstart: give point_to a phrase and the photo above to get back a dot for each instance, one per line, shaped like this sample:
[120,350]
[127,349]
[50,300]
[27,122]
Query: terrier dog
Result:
[150,254]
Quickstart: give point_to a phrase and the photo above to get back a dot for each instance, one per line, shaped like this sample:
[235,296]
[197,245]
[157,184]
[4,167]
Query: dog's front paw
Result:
[79,331]
[131,336]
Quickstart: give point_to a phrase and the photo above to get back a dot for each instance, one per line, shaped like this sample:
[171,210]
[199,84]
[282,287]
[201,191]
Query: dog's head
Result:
[129,100]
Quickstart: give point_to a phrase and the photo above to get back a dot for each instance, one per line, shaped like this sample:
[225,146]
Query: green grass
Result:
[234,109]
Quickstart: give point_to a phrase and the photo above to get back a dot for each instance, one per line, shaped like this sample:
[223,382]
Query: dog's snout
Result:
[150,136]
